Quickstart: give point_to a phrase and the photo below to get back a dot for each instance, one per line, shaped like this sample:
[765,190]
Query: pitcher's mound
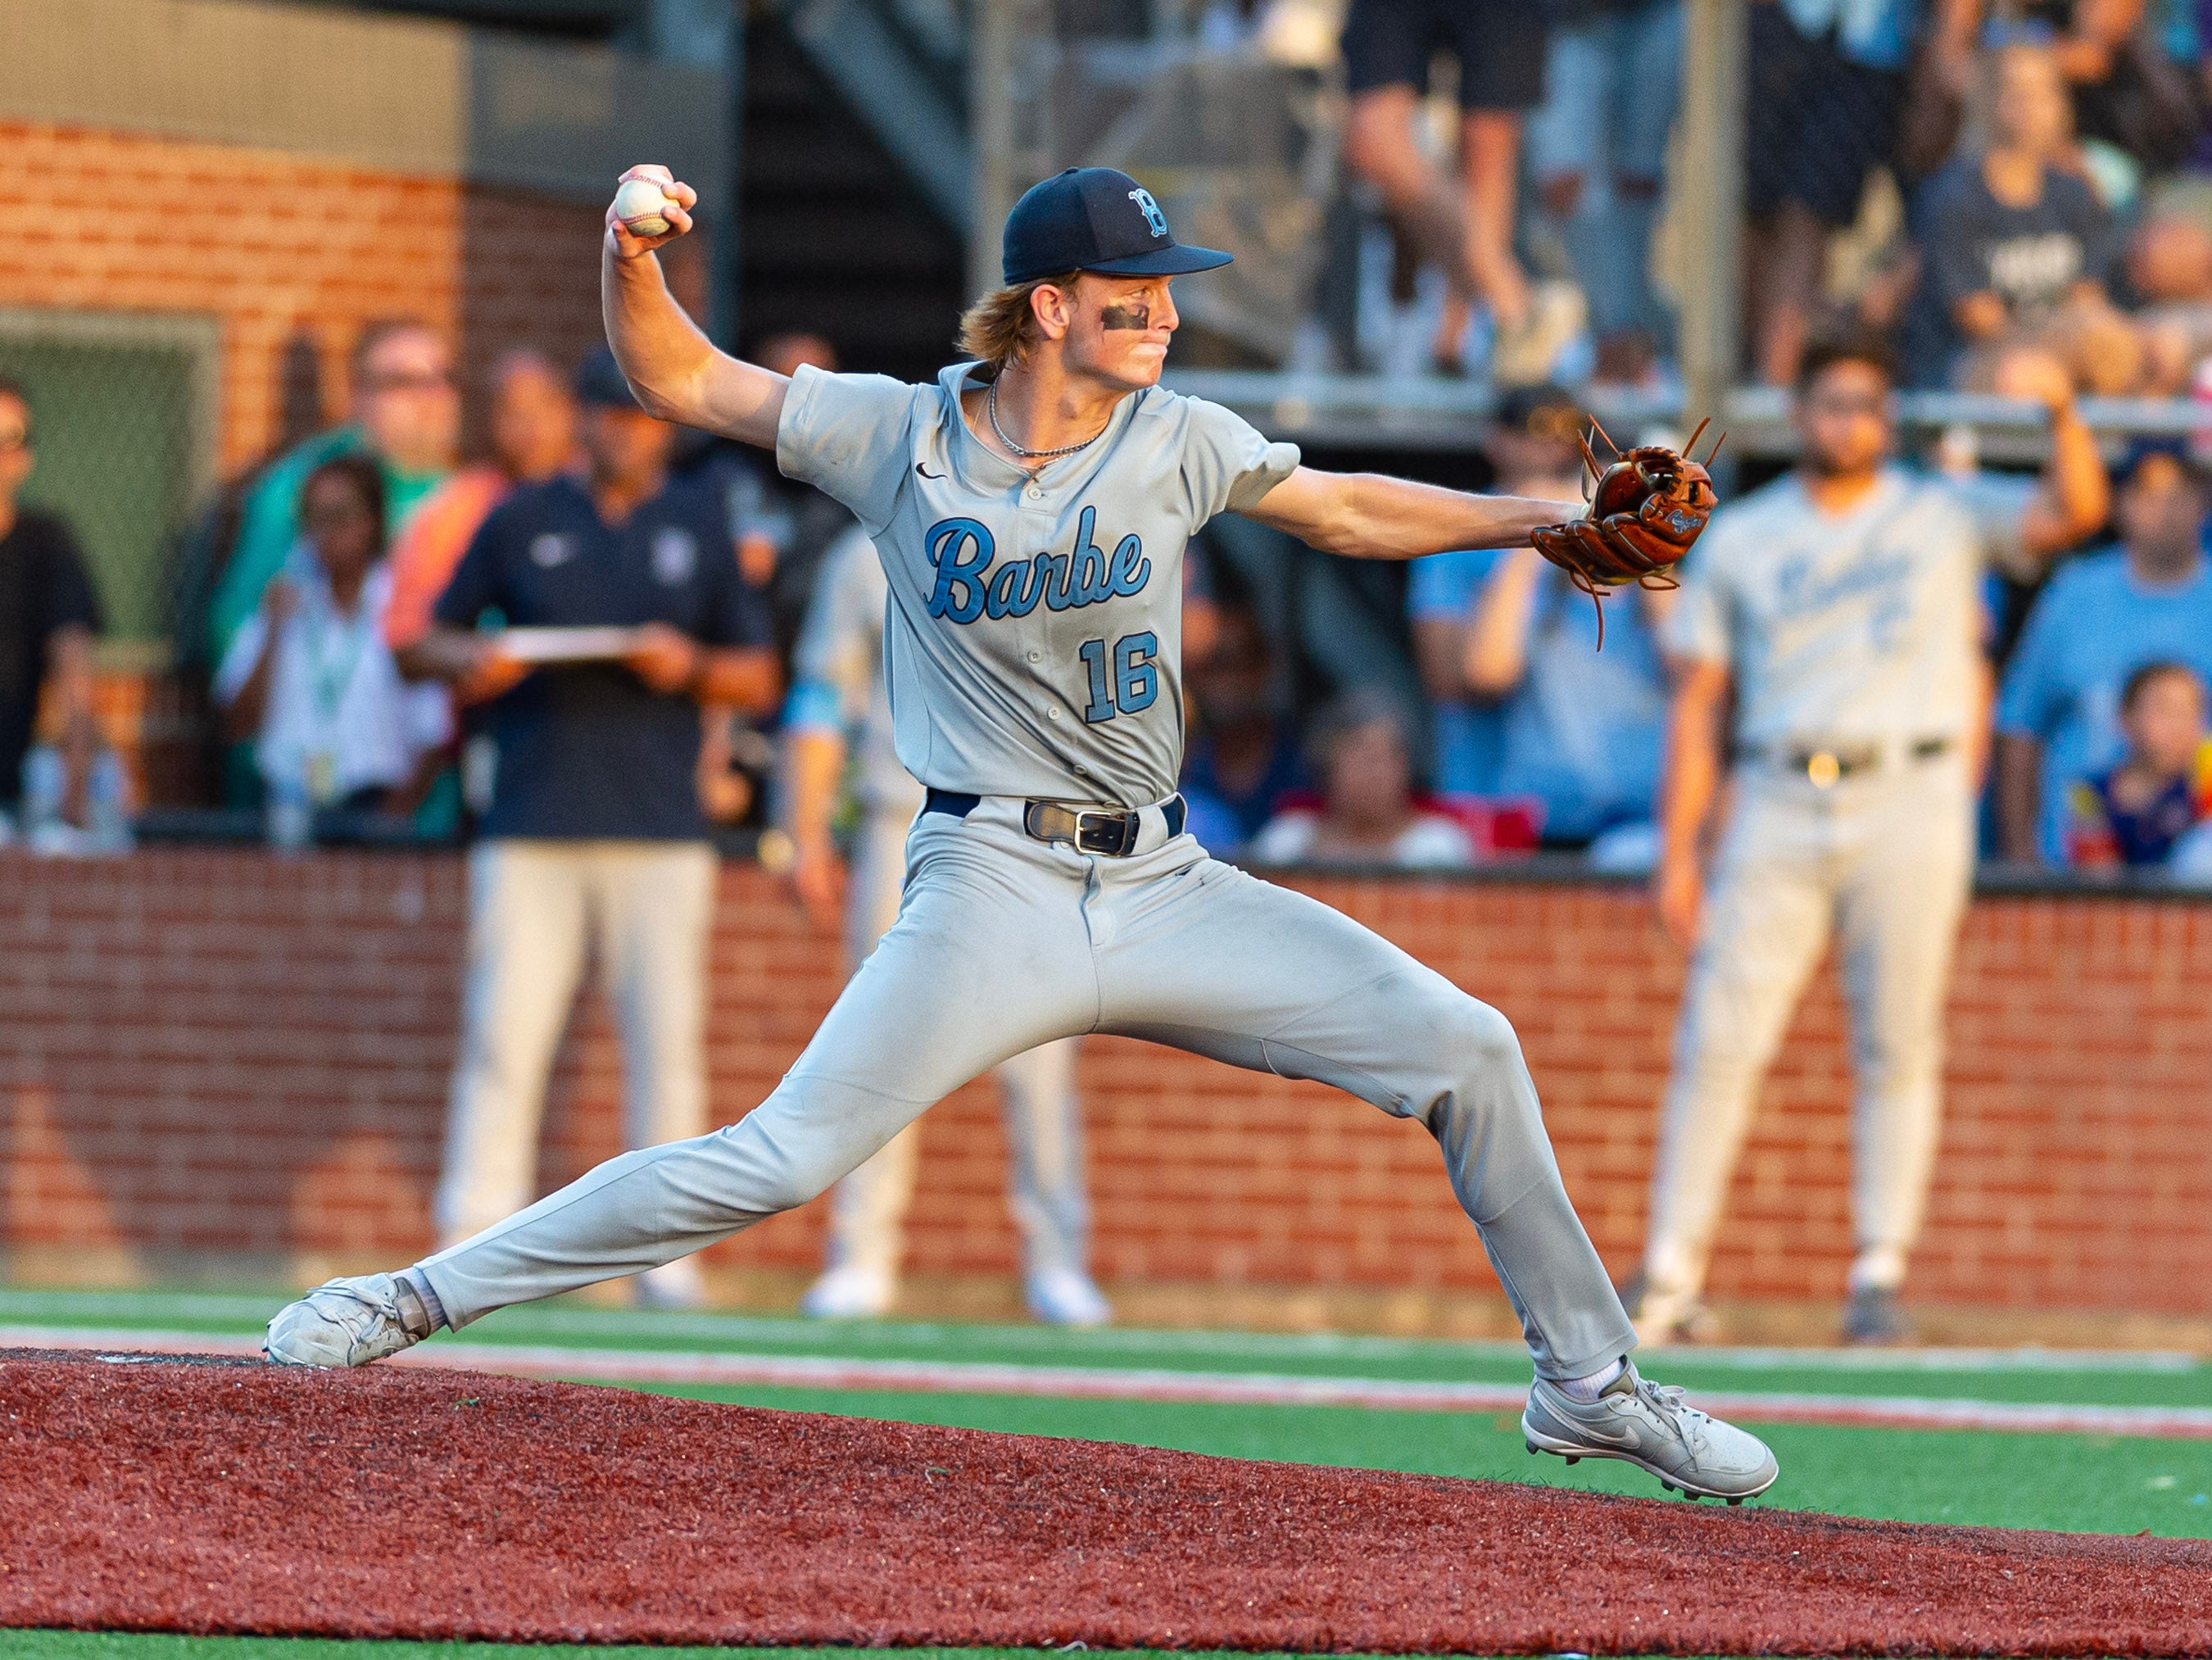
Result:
[416,1503]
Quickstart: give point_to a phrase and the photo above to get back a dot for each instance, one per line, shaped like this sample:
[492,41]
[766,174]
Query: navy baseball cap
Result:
[1095,219]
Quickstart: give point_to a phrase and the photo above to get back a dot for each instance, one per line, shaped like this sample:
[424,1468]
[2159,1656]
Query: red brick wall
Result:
[221,1052]
[275,247]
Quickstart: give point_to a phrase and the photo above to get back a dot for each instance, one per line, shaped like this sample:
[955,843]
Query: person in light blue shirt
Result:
[1534,448]
[1467,741]
[2101,617]
[1583,728]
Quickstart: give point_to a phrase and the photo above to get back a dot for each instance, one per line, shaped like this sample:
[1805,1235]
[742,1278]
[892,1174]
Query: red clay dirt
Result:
[236,1498]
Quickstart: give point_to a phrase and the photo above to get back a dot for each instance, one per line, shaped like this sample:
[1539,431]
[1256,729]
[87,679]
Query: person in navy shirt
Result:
[594,827]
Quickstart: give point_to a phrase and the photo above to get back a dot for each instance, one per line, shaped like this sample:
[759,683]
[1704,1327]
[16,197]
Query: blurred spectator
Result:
[406,417]
[2019,252]
[2100,618]
[2122,89]
[533,438]
[1465,228]
[1532,445]
[2136,812]
[2170,274]
[594,827]
[1597,152]
[1584,726]
[1367,815]
[1240,760]
[1828,86]
[308,678]
[1827,644]
[48,617]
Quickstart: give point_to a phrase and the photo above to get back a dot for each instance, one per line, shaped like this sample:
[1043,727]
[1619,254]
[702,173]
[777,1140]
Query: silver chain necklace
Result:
[991,408]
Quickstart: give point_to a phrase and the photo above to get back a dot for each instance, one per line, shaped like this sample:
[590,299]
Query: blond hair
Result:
[1000,328]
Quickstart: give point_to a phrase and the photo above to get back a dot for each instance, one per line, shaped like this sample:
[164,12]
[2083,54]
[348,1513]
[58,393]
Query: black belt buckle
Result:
[1114,834]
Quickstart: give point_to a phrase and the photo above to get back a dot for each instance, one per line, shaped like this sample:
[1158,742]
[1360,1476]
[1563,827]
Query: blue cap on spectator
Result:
[599,381]
[1095,219]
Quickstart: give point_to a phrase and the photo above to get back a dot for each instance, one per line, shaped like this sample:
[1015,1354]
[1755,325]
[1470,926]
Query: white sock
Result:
[1587,1390]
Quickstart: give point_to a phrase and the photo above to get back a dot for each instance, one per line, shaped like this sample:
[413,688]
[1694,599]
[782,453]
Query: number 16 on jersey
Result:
[1122,681]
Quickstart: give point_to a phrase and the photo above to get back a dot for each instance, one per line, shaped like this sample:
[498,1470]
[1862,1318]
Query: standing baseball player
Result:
[1839,608]
[1030,510]
[838,688]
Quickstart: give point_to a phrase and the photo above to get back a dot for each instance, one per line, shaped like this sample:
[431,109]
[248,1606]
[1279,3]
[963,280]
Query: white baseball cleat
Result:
[1650,1426]
[850,1290]
[346,1323]
[1065,1297]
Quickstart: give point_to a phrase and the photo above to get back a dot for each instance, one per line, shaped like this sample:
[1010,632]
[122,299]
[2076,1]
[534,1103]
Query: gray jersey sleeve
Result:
[848,435]
[841,647]
[1227,466]
[1697,627]
[1997,502]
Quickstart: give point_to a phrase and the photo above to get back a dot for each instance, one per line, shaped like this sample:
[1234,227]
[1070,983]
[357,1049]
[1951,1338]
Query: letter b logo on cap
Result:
[1154,216]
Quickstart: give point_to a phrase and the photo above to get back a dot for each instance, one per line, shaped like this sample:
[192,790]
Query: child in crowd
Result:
[1369,814]
[2134,814]
[309,676]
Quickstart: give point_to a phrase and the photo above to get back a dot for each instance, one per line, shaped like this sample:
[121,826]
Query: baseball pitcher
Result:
[1030,509]
[1839,609]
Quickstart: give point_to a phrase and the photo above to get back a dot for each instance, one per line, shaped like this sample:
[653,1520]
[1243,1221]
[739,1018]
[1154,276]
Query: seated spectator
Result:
[2099,618]
[1532,445]
[1584,728]
[308,678]
[405,416]
[1240,761]
[1368,815]
[1597,152]
[2170,271]
[2019,252]
[2135,814]
[2125,91]
[48,617]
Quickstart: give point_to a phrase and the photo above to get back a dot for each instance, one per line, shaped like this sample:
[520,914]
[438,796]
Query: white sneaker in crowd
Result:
[1065,1297]
[851,1291]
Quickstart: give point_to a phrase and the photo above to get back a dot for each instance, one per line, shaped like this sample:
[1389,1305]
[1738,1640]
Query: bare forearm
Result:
[1497,645]
[675,370]
[444,653]
[812,763]
[2076,479]
[1692,777]
[1364,515]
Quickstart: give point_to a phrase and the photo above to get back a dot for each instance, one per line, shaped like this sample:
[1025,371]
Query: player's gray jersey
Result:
[1032,643]
[837,671]
[1861,628]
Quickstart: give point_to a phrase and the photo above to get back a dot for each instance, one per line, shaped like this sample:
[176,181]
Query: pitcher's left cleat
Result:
[346,1323]
[1065,1297]
[1650,1426]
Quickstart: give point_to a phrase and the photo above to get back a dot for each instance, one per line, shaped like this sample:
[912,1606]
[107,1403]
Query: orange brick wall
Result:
[220,1052]
[271,245]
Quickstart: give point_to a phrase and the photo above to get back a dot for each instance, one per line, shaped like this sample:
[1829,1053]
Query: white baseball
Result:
[643,207]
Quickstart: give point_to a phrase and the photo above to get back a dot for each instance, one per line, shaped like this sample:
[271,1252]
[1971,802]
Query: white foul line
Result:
[1108,1384]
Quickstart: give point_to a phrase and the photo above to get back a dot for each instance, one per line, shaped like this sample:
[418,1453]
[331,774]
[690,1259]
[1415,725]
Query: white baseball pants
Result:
[1885,864]
[533,906]
[1042,1116]
[1004,943]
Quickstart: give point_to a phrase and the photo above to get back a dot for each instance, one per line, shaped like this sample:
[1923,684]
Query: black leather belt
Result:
[1110,830]
[1824,767]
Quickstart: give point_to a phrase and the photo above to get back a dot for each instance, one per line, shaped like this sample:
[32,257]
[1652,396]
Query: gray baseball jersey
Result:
[1033,639]
[1859,628]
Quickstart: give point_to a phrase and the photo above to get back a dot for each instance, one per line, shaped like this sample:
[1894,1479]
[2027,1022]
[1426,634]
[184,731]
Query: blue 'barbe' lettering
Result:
[961,550]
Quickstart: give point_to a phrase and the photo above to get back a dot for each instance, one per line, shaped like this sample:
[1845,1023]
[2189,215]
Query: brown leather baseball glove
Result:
[1646,510]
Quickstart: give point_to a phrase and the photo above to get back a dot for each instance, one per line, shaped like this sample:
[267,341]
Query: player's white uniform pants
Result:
[1884,863]
[1004,943]
[533,906]
[1042,1117]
